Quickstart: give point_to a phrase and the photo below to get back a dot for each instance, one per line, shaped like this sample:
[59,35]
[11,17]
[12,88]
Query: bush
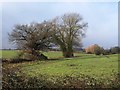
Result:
[98,50]
[106,52]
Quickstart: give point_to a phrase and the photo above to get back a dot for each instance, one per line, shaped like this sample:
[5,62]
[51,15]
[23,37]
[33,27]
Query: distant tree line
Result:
[112,50]
[98,50]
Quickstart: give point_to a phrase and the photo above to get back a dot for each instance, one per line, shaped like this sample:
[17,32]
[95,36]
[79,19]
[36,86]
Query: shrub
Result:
[106,52]
[98,50]
[94,49]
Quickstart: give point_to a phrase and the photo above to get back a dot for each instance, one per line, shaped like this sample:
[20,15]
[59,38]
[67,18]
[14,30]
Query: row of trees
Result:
[96,49]
[113,50]
[65,31]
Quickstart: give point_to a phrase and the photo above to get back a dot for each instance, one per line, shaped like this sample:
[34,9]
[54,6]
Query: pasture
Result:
[99,67]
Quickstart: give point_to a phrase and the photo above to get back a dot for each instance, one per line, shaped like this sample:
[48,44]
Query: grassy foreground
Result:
[94,66]
[98,67]
[88,64]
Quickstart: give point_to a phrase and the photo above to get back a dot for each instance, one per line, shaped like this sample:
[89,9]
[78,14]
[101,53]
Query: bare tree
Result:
[31,38]
[66,31]
[69,30]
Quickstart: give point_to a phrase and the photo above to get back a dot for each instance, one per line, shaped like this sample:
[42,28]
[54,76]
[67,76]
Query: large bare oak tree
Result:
[32,38]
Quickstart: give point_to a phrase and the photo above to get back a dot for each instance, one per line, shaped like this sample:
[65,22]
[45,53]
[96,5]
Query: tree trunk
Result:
[67,51]
[34,55]
[39,55]
[68,54]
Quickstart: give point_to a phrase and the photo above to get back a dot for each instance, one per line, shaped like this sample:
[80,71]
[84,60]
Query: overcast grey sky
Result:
[102,18]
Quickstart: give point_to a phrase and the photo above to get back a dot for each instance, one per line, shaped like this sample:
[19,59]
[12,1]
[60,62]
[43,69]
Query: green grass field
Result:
[9,53]
[87,64]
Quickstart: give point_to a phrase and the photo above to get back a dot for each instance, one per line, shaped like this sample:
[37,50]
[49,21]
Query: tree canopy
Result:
[65,31]
[31,38]
[69,30]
